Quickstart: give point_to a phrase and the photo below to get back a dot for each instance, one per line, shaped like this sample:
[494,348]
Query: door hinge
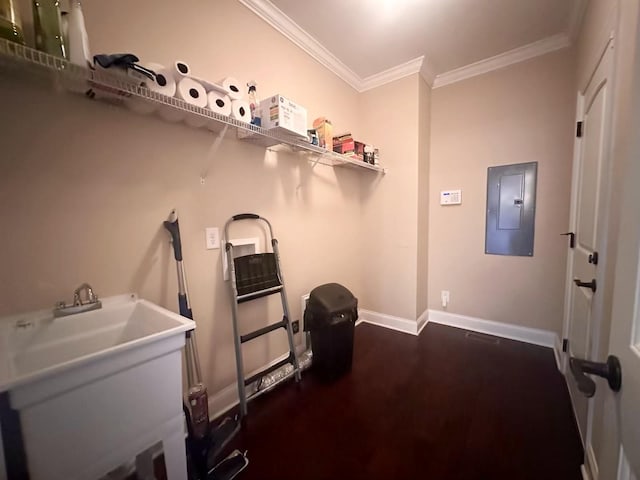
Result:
[579,129]
[565,344]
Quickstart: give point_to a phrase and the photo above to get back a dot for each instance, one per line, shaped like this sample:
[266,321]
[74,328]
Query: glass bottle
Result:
[10,25]
[47,23]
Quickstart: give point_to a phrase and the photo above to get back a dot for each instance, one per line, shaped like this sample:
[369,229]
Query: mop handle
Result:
[174,229]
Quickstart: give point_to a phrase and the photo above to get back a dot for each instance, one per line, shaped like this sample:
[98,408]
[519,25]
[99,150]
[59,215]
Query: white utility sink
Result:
[95,389]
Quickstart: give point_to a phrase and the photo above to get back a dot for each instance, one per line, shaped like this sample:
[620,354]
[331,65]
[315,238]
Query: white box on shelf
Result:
[280,112]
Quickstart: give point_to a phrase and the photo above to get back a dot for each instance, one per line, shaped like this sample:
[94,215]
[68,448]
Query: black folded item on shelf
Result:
[123,61]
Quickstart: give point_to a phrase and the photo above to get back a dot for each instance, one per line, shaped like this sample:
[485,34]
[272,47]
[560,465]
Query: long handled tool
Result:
[204,442]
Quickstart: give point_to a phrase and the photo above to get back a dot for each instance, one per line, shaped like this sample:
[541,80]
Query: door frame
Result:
[603,208]
[577,152]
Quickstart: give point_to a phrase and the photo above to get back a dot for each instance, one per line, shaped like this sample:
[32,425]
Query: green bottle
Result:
[47,23]
[10,25]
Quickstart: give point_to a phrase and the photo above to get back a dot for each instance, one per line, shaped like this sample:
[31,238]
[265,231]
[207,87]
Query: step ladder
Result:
[251,277]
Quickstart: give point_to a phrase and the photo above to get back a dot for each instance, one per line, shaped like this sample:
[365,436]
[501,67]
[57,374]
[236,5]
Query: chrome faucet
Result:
[91,302]
[90,297]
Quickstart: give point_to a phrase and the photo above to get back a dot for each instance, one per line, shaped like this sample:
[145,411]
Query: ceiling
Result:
[372,36]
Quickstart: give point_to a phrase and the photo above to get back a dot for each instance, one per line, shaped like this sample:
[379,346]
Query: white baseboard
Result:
[227,398]
[557,353]
[399,324]
[422,321]
[535,336]
[592,462]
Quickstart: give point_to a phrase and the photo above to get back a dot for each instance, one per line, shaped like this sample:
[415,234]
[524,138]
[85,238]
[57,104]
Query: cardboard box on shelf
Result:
[324,129]
[280,112]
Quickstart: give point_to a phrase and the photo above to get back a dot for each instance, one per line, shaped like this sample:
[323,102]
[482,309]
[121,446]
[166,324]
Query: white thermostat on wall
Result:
[451,197]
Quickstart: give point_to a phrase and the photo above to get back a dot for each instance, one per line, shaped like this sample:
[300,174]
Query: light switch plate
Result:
[450,197]
[212,235]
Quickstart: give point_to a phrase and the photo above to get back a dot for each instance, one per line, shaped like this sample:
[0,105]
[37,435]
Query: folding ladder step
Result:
[267,371]
[250,277]
[262,331]
[260,293]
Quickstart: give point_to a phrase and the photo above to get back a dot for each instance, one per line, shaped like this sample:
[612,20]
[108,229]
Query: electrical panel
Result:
[511,208]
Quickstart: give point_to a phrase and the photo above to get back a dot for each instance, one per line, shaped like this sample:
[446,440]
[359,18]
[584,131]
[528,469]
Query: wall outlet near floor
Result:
[444,296]
[212,235]
[295,326]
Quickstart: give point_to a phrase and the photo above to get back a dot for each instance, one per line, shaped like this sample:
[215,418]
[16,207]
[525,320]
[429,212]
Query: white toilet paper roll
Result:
[164,84]
[232,86]
[181,69]
[171,114]
[139,105]
[240,110]
[219,103]
[192,92]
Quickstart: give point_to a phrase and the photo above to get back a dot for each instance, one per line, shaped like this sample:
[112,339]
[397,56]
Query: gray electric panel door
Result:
[511,209]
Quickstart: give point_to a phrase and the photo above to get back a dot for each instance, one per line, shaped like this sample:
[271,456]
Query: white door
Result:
[625,324]
[589,211]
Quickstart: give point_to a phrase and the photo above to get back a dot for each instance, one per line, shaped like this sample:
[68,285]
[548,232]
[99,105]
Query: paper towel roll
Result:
[192,92]
[240,110]
[163,84]
[181,69]
[232,86]
[139,105]
[171,114]
[219,103]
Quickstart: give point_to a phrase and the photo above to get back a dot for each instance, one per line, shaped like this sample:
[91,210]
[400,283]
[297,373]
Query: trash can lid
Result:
[332,297]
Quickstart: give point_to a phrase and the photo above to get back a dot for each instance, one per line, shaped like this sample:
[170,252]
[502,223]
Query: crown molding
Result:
[428,72]
[575,19]
[287,27]
[517,55]
[392,74]
[271,14]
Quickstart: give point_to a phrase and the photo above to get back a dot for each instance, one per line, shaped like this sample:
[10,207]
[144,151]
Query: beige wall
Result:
[390,207]
[424,125]
[598,24]
[522,113]
[85,186]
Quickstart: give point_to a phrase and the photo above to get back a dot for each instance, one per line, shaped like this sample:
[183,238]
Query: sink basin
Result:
[95,389]
[37,344]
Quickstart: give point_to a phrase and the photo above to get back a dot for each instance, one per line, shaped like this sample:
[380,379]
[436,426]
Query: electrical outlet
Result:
[444,296]
[295,326]
[212,235]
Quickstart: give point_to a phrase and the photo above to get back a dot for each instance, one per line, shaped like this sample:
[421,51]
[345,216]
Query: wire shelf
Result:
[119,88]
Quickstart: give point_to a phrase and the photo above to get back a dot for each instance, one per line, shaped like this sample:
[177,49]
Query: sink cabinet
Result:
[87,416]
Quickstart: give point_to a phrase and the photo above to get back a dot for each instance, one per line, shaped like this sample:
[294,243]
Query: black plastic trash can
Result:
[330,318]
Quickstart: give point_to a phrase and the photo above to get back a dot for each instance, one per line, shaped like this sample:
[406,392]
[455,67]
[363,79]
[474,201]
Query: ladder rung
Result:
[262,331]
[268,370]
[260,293]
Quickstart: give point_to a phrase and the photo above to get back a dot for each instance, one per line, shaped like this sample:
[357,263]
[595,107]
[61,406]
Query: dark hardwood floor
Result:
[445,405]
